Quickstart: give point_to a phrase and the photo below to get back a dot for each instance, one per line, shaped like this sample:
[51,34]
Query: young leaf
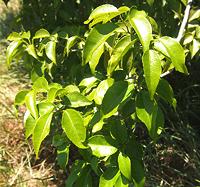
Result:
[114,96]
[14,36]
[100,146]
[40,85]
[29,124]
[176,53]
[20,97]
[101,90]
[118,52]
[78,100]
[142,27]
[50,49]
[97,36]
[109,177]
[30,101]
[31,51]
[73,126]
[152,70]
[12,50]
[105,13]
[45,107]
[41,130]
[121,182]
[70,43]
[124,163]
[42,33]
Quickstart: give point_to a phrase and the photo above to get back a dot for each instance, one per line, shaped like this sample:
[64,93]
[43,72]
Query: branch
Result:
[181,30]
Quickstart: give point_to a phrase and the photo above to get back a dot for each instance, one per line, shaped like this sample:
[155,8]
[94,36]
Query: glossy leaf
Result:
[42,33]
[109,177]
[152,70]
[40,85]
[31,51]
[78,100]
[96,57]
[29,124]
[45,107]
[20,97]
[42,129]
[101,90]
[97,121]
[14,36]
[12,50]
[142,27]
[124,163]
[114,96]
[30,101]
[105,13]
[97,36]
[73,126]
[194,48]
[176,53]
[100,146]
[70,43]
[50,49]
[118,52]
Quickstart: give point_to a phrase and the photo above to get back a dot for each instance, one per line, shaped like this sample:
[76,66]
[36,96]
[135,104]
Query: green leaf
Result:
[105,13]
[29,124]
[100,146]
[42,33]
[124,163]
[114,96]
[77,167]
[50,49]
[96,57]
[97,36]
[150,2]
[101,90]
[12,50]
[20,97]
[121,183]
[78,100]
[63,156]
[40,85]
[142,27]
[30,101]
[152,70]
[175,52]
[14,36]
[31,51]
[45,107]
[194,47]
[41,130]
[138,173]
[118,52]
[109,177]
[165,91]
[70,43]
[150,114]
[73,126]
[97,121]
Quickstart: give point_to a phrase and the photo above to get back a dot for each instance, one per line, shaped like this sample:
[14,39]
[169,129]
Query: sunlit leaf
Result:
[40,85]
[73,126]
[142,27]
[100,146]
[42,33]
[97,36]
[70,43]
[29,124]
[31,51]
[152,70]
[41,130]
[124,163]
[20,97]
[50,49]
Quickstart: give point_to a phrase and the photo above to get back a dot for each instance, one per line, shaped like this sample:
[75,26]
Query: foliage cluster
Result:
[95,89]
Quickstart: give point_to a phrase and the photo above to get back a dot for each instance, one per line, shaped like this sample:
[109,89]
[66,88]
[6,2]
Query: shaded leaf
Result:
[70,43]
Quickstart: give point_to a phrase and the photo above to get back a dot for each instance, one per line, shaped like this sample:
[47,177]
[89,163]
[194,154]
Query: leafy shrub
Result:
[93,94]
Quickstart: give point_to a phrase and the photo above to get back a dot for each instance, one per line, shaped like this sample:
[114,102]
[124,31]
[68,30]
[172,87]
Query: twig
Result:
[181,30]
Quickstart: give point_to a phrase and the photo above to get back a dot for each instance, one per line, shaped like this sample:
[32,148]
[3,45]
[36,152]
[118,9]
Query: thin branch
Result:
[181,30]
